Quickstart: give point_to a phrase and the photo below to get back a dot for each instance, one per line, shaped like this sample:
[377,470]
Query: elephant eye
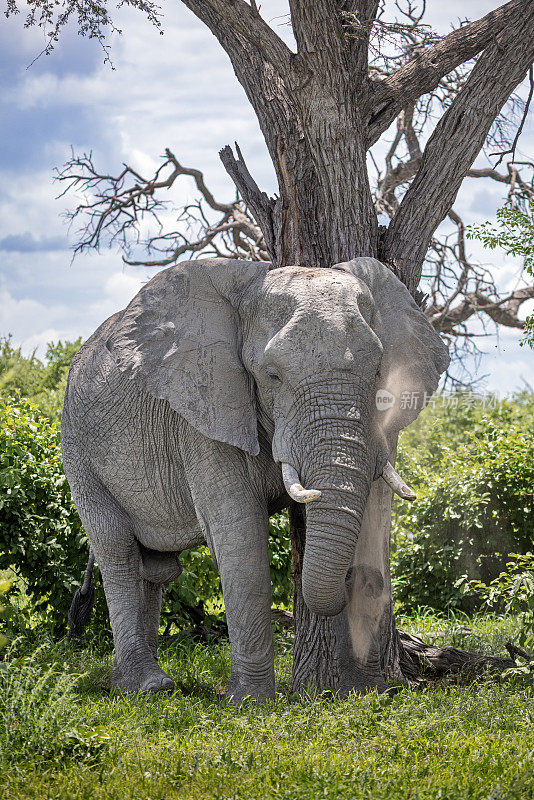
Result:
[273,376]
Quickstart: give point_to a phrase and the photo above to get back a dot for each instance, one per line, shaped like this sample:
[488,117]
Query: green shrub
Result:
[472,466]
[41,536]
[280,560]
[512,592]
[43,383]
[19,373]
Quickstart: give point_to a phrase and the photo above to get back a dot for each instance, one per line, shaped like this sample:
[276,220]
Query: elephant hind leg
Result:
[136,668]
[134,603]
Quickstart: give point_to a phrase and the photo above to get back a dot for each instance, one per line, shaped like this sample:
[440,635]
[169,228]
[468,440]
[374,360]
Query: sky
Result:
[179,91]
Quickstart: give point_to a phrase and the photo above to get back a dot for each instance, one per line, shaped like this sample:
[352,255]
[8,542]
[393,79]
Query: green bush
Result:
[43,383]
[19,373]
[41,536]
[512,592]
[280,560]
[472,466]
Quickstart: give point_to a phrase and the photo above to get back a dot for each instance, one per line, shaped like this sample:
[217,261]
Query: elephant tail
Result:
[82,602]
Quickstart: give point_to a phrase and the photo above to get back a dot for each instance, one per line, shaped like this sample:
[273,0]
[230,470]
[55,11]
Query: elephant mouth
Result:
[297,492]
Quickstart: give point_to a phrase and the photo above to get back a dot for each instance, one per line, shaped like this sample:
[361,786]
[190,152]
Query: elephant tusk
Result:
[295,489]
[395,482]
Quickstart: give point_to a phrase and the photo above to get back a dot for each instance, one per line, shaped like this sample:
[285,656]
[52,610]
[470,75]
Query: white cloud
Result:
[117,292]
[33,323]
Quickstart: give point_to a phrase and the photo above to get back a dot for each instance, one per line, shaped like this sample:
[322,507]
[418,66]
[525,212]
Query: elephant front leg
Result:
[235,520]
[238,544]
[239,548]
[247,598]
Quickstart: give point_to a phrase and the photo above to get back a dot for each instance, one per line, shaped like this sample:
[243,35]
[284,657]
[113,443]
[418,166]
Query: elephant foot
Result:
[239,693]
[143,680]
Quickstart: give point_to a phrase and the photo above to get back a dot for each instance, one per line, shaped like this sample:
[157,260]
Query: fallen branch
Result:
[518,651]
[420,659]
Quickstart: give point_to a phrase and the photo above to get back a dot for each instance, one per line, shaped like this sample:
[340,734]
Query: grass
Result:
[63,734]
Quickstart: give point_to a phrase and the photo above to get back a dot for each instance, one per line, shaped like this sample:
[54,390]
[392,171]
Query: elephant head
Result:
[332,362]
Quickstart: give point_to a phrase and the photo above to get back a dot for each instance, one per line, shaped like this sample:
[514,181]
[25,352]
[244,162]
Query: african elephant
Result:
[222,388]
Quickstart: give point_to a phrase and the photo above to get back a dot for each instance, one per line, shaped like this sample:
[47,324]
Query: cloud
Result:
[33,323]
[485,203]
[117,292]
[27,243]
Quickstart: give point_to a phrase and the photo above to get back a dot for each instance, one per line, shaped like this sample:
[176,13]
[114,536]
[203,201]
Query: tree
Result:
[514,233]
[43,383]
[320,108]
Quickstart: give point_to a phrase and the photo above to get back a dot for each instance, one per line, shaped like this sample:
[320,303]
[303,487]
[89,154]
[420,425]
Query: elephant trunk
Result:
[339,460]
[332,528]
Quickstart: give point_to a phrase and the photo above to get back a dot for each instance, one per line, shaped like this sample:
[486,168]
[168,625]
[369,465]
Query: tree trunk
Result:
[315,651]
[359,649]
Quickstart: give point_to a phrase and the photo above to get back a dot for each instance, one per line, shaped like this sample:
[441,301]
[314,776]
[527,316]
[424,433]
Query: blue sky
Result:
[179,91]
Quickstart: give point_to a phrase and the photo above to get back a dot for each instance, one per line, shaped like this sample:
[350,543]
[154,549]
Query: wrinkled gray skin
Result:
[180,409]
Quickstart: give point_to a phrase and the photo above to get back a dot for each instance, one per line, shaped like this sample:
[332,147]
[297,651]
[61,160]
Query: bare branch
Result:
[520,191]
[395,176]
[423,73]
[114,208]
[262,206]
[511,150]
[502,312]
[454,145]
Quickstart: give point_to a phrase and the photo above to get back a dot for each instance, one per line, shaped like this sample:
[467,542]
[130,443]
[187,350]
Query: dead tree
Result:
[321,108]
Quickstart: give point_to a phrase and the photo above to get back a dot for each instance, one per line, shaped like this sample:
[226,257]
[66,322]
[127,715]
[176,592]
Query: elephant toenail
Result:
[159,685]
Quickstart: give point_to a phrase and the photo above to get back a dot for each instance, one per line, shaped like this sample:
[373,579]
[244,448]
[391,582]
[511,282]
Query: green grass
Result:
[63,734]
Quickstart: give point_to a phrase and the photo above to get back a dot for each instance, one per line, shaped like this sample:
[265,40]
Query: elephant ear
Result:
[414,354]
[179,340]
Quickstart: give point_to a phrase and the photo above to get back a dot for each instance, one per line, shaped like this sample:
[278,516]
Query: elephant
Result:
[225,388]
